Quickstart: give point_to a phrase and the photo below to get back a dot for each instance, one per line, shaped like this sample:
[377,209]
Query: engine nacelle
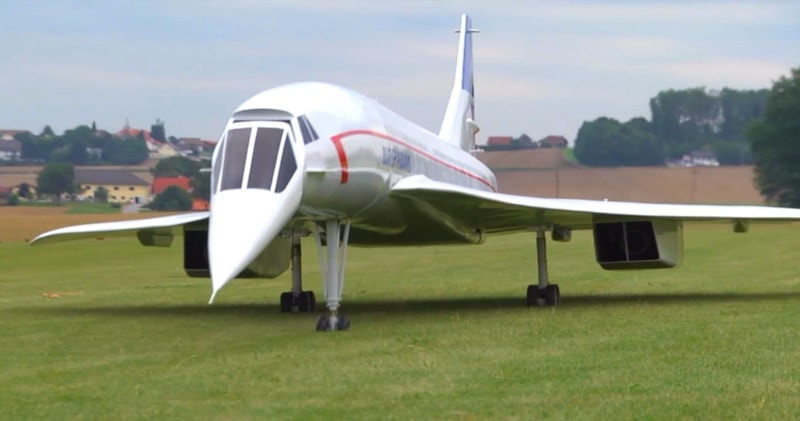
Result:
[638,244]
[273,260]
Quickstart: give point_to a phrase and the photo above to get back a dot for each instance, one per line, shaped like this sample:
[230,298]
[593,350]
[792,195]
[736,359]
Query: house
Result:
[159,150]
[499,140]
[123,186]
[155,148]
[161,183]
[697,159]
[526,142]
[10,150]
[9,134]
[553,141]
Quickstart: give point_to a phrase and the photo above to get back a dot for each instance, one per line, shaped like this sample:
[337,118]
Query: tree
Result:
[606,142]
[47,131]
[127,150]
[173,198]
[101,195]
[684,120]
[739,108]
[175,166]
[201,186]
[775,143]
[25,190]
[56,179]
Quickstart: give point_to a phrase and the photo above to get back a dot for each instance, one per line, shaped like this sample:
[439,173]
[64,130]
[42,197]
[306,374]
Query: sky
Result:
[541,68]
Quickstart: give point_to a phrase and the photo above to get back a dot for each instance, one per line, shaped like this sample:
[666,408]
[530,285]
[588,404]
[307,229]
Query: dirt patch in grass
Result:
[21,223]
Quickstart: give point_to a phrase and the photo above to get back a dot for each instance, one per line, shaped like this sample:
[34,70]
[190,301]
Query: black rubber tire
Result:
[552,295]
[323,323]
[286,302]
[532,295]
[343,323]
[306,302]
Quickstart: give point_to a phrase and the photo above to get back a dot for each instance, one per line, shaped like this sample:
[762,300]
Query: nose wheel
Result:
[332,263]
[329,323]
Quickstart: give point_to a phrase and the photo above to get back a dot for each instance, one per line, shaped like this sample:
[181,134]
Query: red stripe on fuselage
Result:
[337,143]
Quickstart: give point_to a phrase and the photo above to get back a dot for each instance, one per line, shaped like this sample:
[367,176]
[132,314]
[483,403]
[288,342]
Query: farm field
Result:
[98,329]
[21,223]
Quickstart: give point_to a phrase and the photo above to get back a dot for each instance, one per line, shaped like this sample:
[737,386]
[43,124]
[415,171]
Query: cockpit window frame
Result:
[287,136]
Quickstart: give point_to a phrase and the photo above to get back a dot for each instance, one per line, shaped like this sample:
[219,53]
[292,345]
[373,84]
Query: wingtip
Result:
[213,295]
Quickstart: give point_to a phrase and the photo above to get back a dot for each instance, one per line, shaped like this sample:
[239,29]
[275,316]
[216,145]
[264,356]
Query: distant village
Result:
[138,185]
[124,184]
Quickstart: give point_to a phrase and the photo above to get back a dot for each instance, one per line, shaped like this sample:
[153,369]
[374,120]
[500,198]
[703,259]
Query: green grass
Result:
[77,207]
[438,333]
[569,155]
[91,207]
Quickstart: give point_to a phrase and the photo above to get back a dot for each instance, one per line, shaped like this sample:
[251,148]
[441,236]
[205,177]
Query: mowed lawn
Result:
[109,329]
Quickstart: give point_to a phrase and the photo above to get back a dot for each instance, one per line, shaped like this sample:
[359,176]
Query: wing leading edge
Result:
[169,223]
[496,212]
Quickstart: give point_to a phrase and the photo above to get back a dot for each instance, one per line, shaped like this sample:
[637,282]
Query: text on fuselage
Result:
[396,158]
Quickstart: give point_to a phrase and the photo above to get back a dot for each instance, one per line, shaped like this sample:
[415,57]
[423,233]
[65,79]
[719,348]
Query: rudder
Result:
[458,125]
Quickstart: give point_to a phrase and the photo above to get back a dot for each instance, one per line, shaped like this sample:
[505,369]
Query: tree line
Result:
[82,145]
[681,121]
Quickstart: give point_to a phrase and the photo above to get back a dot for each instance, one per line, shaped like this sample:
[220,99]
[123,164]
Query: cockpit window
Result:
[265,156]
[307,130]
[287,168]
[234,158]
[258,162]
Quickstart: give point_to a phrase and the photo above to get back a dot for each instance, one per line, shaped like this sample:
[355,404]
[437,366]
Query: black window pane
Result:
[313,132]
[234,159]
[265,154]
[287,168]
[303,123]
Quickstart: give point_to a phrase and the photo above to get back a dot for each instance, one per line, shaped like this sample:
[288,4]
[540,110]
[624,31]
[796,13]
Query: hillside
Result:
[546,173]
[524,158]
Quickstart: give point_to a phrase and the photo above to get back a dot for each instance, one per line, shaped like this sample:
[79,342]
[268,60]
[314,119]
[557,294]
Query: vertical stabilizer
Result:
[458,125]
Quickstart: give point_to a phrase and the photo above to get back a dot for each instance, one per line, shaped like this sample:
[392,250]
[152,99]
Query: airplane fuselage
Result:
[353,150]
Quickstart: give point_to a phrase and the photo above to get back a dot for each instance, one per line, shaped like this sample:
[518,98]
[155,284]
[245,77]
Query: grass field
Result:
[109,329]
[72,207]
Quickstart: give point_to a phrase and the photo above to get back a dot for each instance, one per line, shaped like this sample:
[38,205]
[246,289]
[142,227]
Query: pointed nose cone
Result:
[241,225]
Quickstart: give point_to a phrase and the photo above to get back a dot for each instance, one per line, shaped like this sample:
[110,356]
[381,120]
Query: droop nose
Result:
[242,223]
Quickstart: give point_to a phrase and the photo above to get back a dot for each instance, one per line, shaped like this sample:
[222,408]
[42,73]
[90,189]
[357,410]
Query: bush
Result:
[173,198]
[13,200]
[116,205]
[101,195]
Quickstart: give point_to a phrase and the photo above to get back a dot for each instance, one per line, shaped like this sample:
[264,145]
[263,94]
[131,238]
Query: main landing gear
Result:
[332,263]
[297,300]
[545,293]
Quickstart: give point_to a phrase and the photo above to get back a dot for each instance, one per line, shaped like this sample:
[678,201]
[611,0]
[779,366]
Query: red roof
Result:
[128,131]
[199,204]
[161,183]
[499,140]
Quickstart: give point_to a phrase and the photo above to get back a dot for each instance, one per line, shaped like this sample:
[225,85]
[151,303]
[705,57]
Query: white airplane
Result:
[314,158]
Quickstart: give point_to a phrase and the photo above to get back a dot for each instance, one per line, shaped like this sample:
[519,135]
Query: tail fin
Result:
[458,125]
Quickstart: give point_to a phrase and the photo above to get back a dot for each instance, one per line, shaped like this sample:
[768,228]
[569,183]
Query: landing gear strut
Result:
[545,293]
[332,263]
[297,300]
